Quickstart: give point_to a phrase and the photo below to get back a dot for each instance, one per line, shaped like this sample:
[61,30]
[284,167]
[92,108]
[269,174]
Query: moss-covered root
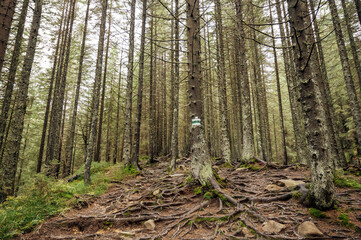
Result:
[216,186]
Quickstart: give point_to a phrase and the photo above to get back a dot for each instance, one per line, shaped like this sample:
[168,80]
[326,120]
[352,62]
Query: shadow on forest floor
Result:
[159,205]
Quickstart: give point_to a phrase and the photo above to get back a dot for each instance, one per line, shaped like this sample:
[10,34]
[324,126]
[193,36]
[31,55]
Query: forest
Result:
[168,119]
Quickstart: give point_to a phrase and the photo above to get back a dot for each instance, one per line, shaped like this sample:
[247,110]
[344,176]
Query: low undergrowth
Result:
[44,197]
[342,181]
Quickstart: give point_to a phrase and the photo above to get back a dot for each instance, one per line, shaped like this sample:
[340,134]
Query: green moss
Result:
[341,181]
[296,195]
[198,190]
[345,221]
[209,195]
[210,219]
[316,213]
[108,224]
[251,167]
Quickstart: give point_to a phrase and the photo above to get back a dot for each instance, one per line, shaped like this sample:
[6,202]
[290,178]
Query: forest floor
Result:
[157,204]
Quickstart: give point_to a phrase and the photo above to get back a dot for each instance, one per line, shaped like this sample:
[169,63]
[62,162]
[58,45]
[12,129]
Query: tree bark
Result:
[11,157]
[322,188]
[351,91]
[358,7]
[95,97]
[7,10]
[248,138]
[135,157]
[12,73]
[116,142]
[129,94]
[70,142]
[201,168]
[175,109]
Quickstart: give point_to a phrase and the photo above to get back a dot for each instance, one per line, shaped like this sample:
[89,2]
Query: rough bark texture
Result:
[135,157]
[299,131]
[358,7]
[151,96]
[71,136]
[174,145]
[351,91]
[7,10]
[53,150]
[248,139]
[12,72]
[11,157]
[322,188]
[129,94]
[280,106]
[222,91]
[95,97]
[50,92]
[201,167]
[116,142]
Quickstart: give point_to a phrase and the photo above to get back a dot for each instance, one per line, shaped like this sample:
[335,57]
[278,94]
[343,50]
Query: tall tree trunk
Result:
[164,93]
[201,167]
[351,91]
[71,136]
[135,157]
[326,92]
[353,45]
[280,107]
[248,139]
[116,142]
[297,121]
[12,152]
[322,188]
[53,150]
[12,73]
[151,95]
[97,156]
[222,91]
[129,94]
[175,150]
[7,10]
[50,92]
[95,97]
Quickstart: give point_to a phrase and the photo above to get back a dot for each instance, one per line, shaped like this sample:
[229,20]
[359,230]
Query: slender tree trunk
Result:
[129,94]
[7,10]
[116,142]
[322,188]
[248,139]
[135,157]
[164,90]
[50,92]
[222,91]
[12,72]
[351,91]
[97,156]
[300,138]
[353,45]
[280,107]
[358,7]
[53,151]
[175,150]
[70,142]
[151,95]
[12,152]
[201,167]
[95,97]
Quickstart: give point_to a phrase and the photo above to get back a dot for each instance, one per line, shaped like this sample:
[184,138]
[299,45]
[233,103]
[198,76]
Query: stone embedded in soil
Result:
[309,229]
[272,227]
[246,232]
[273,188]
[156,192]
[290,183]
[182,167]
[150,224]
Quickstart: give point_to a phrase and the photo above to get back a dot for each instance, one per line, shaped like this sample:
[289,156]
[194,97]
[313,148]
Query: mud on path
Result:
[128,209]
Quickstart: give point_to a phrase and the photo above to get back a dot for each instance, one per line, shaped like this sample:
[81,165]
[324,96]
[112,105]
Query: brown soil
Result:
[180,214]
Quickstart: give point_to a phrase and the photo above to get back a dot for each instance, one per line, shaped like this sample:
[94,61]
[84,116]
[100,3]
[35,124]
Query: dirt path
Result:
[178,213]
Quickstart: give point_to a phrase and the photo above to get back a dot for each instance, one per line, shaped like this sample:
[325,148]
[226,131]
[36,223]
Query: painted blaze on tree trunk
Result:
[201,167]
[305,56]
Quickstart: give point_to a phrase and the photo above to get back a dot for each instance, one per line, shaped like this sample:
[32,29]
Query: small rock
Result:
[309,229]
[241,169]
[246,232]
[272,227]
[156,192]
[273,188]
[150,225]
[290,183]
